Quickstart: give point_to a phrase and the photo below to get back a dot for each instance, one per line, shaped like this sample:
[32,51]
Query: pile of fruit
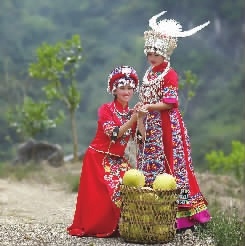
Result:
[136,178]
[148,213]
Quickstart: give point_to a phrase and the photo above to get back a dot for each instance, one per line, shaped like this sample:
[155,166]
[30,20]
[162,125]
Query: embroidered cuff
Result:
[114,134]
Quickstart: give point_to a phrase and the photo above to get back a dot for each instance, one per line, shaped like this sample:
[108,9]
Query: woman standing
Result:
[98,201]
[167,146]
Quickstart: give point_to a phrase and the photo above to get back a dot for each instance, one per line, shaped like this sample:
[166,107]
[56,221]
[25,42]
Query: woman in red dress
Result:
[167,145]
[98,202]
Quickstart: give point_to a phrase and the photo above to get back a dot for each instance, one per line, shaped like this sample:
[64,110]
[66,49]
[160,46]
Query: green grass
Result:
[42,174]
[71,181]
[227,228]
[18,172]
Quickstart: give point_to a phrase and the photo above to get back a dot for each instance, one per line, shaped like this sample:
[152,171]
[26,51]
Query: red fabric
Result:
[167,141]
[96,214]
[174,148]
[171,81]
[97,209]
[168,149]
[107,121]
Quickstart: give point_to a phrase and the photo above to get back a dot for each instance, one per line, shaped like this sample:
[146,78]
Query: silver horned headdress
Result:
[163,37]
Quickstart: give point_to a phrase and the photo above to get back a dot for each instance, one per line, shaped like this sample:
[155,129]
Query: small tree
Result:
[187,89]
[58,64]
[31,118]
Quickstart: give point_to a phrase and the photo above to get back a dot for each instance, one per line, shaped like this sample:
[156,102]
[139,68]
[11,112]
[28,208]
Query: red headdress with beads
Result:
[122,75]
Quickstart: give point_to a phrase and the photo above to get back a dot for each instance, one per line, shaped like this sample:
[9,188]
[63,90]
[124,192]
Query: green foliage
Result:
[219,162]
[226,228]
[31,118]
[74,184]
[187,89]
[58,65]
[112,34]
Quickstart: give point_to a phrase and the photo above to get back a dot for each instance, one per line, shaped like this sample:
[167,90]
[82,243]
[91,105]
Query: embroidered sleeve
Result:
[170,89]
[106,119]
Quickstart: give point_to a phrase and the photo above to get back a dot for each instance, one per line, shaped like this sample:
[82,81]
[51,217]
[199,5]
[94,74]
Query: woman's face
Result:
[154,59]
[124,93]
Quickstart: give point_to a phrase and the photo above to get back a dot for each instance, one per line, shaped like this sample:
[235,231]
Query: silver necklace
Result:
[150,90]
[159,78]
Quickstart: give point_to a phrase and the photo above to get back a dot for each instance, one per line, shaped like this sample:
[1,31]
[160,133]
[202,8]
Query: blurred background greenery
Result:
[112,34]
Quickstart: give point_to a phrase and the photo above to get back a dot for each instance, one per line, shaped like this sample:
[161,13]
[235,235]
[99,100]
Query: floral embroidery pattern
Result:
[170,92]
[108,127]
[151,152]
[115,167]
[178,152]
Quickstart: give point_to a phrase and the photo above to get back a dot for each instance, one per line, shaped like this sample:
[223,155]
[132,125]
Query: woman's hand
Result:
[145,108]
[134,115]
[141,113]
[138,105]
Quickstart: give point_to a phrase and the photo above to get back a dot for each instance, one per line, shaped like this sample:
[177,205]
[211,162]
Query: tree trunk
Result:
[74,136]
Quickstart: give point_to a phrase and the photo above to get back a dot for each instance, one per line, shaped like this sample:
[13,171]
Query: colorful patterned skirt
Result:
[167,149]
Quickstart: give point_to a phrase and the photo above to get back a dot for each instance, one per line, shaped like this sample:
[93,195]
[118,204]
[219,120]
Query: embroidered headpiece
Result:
[122,75]
[163,37]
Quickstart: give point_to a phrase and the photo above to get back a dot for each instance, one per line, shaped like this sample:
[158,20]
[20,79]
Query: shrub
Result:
[234,162]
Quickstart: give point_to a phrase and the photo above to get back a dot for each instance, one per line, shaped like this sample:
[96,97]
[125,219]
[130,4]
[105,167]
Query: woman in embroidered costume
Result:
[98,202]
[167,147]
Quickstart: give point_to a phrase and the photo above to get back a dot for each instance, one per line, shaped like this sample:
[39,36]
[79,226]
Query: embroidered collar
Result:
[160,68]
[119,107]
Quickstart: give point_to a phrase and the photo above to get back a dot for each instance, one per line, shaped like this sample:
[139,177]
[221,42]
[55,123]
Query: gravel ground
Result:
[55,235]
[34,214]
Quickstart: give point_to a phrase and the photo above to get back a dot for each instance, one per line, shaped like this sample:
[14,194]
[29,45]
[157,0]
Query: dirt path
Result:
[34,214]
[35,203]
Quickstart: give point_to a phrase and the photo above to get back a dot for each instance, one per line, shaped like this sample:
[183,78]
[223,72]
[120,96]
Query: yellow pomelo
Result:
[164,182]
[136,231]
[149,195]
[161,229]
[134,178]
[126,215]
[143,196]
[131,206]
[146,218]
[165,208]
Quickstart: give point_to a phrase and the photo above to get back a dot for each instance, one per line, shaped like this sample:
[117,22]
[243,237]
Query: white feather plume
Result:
[171,27]
[153,20]
[192,31]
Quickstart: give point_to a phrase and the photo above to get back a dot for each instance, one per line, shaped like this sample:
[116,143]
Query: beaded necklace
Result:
[149,91]
[122,116]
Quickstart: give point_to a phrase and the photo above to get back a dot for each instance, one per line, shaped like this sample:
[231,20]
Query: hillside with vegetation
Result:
[111,34]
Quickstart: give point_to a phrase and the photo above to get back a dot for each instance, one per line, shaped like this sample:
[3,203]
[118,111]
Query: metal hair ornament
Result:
[163,37]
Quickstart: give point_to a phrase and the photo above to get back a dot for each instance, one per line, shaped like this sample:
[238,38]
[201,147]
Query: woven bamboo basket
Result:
[148,216]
